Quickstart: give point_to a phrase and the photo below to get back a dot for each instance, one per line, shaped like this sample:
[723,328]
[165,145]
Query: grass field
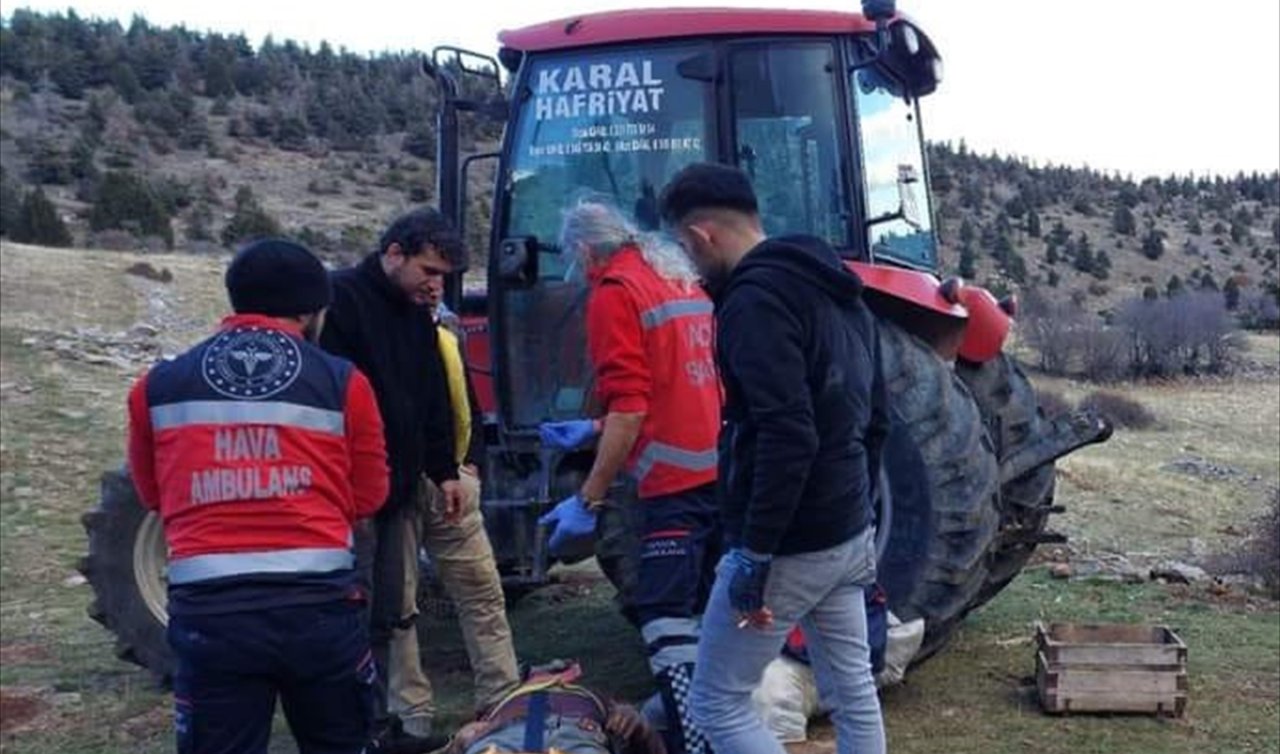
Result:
[62,690]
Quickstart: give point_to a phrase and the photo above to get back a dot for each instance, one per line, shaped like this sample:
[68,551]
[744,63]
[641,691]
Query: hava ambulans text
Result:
[240,444]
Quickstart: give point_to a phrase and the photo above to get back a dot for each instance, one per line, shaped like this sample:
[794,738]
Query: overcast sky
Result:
[1125,85]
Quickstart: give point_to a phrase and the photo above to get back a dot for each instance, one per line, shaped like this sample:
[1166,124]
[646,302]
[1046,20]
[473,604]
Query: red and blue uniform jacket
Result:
[651,345]
[260,451]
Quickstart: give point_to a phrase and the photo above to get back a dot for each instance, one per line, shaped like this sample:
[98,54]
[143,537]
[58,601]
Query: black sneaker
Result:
[395,740]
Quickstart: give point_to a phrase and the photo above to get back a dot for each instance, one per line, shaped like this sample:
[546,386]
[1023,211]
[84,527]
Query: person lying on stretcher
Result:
[551,712]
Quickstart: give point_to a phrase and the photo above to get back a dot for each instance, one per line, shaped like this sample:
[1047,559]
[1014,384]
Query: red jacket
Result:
[259,450]
[650,342]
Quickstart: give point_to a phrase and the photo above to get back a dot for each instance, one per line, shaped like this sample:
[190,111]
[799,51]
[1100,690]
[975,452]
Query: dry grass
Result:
[1132,495]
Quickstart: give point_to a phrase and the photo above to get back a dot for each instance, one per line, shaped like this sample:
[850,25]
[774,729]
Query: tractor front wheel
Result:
[126,568]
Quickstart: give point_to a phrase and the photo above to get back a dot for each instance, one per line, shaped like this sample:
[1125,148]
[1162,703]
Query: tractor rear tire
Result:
[125,566]
[943,481]
[1011,409]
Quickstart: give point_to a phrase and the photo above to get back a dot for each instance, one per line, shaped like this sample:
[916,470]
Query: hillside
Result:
[154,138]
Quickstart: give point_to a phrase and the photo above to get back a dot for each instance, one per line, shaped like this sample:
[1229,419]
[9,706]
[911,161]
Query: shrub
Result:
[38,222]
[1119,410]
[1259,311]
[1103,353]
[1264,546]
[250,220]
[49,164]
[10,203]
[125,201]
[1049,326]
[1187,333]
[199,223]
[325,187]
[1052,404]
[421,143]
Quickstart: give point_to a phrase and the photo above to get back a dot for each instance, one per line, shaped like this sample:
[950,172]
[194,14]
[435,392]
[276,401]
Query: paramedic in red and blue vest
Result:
[261,452]
[649,336]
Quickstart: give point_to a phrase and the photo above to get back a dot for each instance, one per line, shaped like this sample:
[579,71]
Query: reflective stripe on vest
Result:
[660,452]
[218,565]
[663,313]
[176,415]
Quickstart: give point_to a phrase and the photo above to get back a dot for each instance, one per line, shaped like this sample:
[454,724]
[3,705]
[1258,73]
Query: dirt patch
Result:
[19,708]
[146,270]
[20,654]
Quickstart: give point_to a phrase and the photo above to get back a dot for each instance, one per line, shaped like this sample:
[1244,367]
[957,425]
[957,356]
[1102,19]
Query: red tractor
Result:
[821,110]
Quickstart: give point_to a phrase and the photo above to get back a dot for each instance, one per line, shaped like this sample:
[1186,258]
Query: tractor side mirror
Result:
[518,261]
[879,10]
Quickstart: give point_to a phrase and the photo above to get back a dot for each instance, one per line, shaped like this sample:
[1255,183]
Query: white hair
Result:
[602,230]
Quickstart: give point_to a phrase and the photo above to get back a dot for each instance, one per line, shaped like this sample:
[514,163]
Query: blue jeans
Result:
[823,593]
[233,666]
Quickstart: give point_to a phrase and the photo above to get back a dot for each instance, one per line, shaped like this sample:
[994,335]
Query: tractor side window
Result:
[899,220]
[784,103]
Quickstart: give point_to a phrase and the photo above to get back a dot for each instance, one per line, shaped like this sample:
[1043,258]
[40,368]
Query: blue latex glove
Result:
[567,435]
[573,529]
[749,575]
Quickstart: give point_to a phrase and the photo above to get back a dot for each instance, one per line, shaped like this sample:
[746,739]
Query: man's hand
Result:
[569,434]
[573,527]
[748,576]
[453,497]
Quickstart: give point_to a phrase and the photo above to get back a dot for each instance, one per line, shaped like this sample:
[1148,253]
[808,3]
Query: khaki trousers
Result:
[464,563]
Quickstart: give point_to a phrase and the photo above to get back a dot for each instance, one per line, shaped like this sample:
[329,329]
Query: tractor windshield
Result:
[620,123]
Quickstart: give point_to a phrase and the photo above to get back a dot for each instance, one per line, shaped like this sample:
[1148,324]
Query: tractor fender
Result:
[919,288]
[989,323]
[980,323]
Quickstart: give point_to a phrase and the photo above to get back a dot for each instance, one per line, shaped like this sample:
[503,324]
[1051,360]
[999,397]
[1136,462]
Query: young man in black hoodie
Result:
[804,423]
[382,320]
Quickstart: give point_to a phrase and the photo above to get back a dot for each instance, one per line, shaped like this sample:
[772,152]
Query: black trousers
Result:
[232,667]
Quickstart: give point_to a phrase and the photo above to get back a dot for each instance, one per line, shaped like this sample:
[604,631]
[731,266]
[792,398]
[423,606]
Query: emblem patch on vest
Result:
[251,363]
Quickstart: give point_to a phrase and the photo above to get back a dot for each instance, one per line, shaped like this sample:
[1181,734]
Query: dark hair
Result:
[416,230]
[705,185]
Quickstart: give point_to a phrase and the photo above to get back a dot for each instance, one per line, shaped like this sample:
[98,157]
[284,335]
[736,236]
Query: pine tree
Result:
[38,222]
[250,220]
[124,201]
[10,203]
[1084,254]
[1231,294]
[1153,244]
[1123,221]
[968,267]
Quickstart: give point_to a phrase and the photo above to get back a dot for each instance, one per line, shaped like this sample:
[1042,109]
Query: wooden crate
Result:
[1111,668]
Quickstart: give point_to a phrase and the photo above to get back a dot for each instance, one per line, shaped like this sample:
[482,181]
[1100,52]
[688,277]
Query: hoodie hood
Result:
[806,259]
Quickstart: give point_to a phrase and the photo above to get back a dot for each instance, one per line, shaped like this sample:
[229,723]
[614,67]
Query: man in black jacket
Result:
[382,320]
[805,419]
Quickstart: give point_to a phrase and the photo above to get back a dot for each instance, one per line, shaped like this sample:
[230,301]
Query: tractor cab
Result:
[819,108]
